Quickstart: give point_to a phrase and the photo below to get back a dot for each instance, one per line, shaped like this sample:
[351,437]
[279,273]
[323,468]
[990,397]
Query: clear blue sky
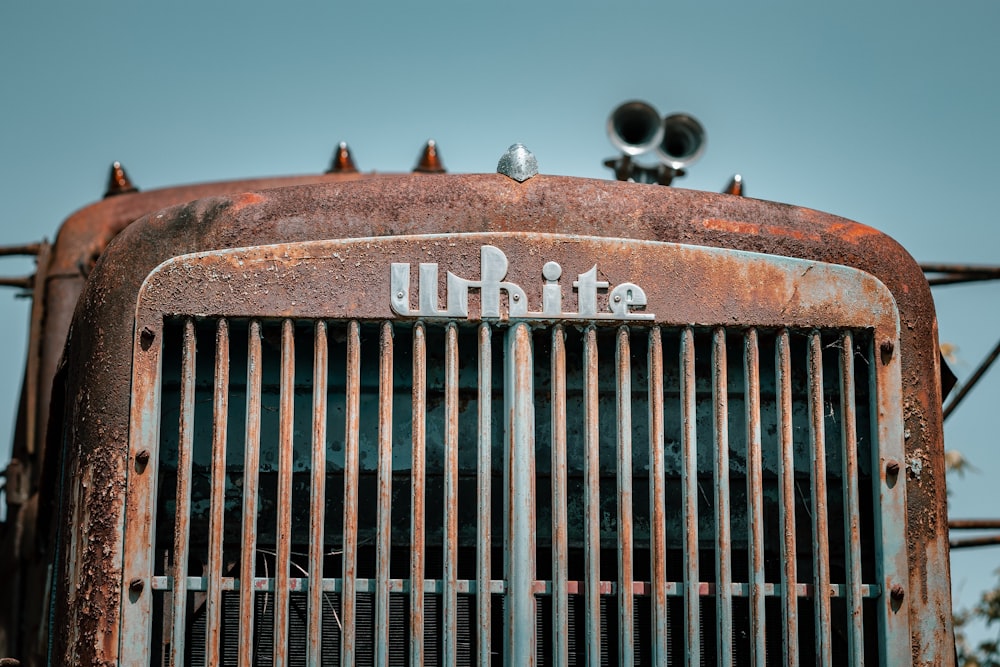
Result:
[885,113]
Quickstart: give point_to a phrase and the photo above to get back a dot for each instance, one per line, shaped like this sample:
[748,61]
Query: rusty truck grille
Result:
[345,492]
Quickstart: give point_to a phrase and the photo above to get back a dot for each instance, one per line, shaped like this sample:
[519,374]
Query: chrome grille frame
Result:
[519,474]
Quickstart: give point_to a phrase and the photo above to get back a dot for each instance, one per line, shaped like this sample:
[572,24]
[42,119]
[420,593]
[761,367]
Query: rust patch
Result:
[758,229]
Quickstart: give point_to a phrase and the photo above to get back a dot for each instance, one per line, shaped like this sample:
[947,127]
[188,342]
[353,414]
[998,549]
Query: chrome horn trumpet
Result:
[636,128]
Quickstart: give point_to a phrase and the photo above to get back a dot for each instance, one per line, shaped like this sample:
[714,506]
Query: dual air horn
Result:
[636,128]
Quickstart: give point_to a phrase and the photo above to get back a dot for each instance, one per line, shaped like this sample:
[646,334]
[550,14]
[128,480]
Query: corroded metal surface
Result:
[100,348]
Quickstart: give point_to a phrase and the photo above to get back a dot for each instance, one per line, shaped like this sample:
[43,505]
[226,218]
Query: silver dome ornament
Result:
[518,163]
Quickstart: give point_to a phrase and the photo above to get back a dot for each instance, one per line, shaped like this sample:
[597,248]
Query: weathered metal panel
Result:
[520,280]
[668,215]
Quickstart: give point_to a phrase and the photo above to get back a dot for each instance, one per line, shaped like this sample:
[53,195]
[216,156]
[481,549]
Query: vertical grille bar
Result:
[520,456]
[889,491]
[251,464]
[755,495]
[286,401]
[820,529]
[351,460]
[852,535]
[657,494]
[625,593]
[450,597]
[560,549]
[182,522]
[484,483]
[317,509]
[689,483]
[786,505]
[384,497]
[220,409]
[591,499]
[419,481]
[723,539]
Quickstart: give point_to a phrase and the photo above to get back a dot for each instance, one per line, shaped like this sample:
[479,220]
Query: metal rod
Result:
[283,549]
[23,282]
[657,494]
[950,274]
[348,609]
[852,523]
[383,546]
[560,545]
[182,513]
[974,524]
[520,455]
[971,382]
[317,509]
[484,478]
[786,505]
[957,279]
[961,268]
[989,540]
[820,528]
[450,547]
[591,499]
[220,419]
[723,539]
[251,466]
[624,460]
[689,494]
[24,249]
[755,496]
[418,479]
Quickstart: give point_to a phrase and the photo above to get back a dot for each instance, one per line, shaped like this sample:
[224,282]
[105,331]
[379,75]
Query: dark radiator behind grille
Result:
[707,398]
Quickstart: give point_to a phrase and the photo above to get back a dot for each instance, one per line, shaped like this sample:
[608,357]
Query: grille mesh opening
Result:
[702,544]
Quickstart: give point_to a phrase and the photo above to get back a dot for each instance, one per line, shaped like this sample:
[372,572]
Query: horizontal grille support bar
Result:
[498,587]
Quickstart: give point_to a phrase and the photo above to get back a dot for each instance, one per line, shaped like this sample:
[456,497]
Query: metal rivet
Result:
[897,592]
[892,467]
[146,337]
[618,297]
[136,585]
[399,295]
[516,297]
[142,458]
[887,347]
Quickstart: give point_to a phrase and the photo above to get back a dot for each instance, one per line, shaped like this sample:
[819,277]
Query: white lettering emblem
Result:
[493,269]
